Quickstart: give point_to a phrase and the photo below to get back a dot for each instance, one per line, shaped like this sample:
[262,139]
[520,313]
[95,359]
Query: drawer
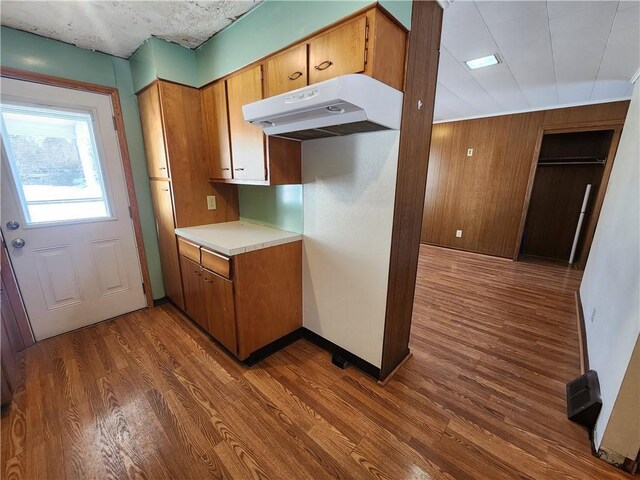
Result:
[216,262]
[189,250]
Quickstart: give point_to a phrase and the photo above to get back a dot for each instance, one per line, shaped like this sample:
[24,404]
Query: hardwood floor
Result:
[148,395]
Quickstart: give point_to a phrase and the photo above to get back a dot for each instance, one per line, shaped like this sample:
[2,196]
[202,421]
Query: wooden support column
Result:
[415,140]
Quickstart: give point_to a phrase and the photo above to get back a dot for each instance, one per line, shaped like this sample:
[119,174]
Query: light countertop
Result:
[233,238]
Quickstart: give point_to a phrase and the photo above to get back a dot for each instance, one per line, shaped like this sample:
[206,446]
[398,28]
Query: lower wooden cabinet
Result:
[217,294]
[165,226]
[259,303]
[193,288]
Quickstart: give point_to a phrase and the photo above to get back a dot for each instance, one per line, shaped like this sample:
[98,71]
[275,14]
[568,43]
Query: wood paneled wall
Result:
[484,195]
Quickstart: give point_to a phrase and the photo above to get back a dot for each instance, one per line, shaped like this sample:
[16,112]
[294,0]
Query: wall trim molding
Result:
[582,335]
[538,109]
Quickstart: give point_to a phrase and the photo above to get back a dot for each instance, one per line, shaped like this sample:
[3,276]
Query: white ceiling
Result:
[553,53]
[120,27]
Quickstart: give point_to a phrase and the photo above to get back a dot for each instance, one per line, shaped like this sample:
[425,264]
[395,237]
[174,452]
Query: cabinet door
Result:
[220,310]
[247,141]
[217,147]
[163,210]
[287,70]
[152,132]
[339,51]
[193,291]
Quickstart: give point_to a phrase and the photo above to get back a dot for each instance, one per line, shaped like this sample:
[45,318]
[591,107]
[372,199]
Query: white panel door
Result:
[65,208]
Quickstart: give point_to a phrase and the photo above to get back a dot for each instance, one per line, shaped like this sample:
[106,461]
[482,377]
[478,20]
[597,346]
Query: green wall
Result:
[157,58]
[279,206]
[37,54]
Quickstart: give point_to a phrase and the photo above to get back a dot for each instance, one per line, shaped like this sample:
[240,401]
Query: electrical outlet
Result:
[469,152]
[459,233]
[593,314]
[211,202]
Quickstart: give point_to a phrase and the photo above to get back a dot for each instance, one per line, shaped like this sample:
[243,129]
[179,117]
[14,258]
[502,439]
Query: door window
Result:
[55,164]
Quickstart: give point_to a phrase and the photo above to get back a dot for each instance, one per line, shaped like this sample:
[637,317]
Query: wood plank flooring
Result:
[148,395]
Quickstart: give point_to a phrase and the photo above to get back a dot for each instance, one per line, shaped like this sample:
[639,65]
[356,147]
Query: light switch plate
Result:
[469,152]
[459,233]
[211,202]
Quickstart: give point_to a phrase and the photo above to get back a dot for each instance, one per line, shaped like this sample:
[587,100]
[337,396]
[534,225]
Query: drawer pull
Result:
[225,168]
[295,76]
[239,169]
[324,65]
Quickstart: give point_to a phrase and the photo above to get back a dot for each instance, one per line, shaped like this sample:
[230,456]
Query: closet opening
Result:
[569,182]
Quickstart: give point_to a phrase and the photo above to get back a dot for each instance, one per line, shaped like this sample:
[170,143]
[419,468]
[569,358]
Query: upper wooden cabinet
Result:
[286,71]
[153,132]
[369,43]
[170,115]
[215,124]
[247,141]
[339,51]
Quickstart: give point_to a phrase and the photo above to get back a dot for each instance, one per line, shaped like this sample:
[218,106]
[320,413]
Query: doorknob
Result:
[17,243]
[11,225]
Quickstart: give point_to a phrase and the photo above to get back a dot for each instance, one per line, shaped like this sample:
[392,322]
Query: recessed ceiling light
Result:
[482,62]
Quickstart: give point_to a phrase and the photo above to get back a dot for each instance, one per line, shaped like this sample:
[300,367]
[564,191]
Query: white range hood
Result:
[339,106]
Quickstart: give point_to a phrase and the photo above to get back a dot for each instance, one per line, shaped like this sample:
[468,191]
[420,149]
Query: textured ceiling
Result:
[120,27]
[553,53]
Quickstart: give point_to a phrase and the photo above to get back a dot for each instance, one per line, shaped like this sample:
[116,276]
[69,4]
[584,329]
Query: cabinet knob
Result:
[295,75]
[162,168]
[239,169]
[324,65]
[225,168]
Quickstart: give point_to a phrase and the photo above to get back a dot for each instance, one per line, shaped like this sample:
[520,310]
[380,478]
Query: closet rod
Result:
[545,164]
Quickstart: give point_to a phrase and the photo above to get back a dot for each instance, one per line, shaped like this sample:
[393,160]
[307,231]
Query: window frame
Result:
[96,137]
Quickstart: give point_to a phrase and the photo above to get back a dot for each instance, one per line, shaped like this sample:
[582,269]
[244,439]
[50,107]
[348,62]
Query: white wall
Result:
[348,200]
[610,288]
[621,438]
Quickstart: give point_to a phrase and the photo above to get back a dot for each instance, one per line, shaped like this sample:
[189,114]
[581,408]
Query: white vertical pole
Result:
[583,211]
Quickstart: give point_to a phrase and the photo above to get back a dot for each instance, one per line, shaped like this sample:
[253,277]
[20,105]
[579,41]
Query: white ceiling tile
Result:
[525,45]
[498,82]
[622,56]
[578,42]
[464,32]
[449,105]
[561,8]
[498,12]
[457,79]
[625,4]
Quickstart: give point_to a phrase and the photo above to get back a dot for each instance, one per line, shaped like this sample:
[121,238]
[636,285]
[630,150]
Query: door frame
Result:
[51,80]
[614,125]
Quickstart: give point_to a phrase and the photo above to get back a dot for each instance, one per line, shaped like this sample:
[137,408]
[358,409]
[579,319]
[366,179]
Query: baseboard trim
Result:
[161,301]
[582,335]
[273,347]
[334,349]
[384,381]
